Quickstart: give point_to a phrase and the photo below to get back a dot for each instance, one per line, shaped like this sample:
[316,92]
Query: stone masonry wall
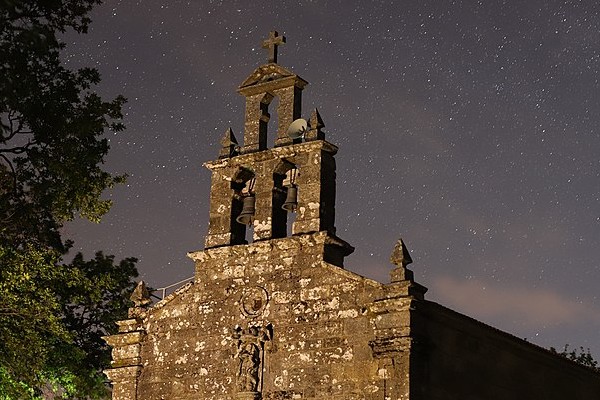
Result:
[318,313]
[460,358]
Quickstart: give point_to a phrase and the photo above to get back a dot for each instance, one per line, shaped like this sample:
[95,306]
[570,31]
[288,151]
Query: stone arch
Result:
[284,175]
[241,183]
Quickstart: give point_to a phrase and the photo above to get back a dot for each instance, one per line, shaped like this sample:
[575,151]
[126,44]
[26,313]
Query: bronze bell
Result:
[247,215]
[291,200]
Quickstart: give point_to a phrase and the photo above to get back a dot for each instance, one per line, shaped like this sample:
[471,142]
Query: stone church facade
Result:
[280,318]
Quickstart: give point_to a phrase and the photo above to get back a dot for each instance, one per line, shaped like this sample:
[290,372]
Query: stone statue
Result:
[249,362]
[250,343]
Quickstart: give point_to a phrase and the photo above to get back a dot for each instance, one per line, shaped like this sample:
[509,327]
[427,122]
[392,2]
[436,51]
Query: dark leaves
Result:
[52,148]
[580,356]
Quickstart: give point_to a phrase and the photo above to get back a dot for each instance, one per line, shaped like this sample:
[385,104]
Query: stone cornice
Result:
[269,154]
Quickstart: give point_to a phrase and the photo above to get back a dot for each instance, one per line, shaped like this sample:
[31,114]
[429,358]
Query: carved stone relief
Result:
[253,302]
[250,358]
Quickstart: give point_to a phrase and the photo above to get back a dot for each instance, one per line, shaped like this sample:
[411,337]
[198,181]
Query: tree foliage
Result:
[52,147]
[580,356]
[51,124]
[52,319]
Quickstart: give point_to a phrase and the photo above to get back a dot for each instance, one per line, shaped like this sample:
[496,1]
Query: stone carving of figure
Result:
[249,362]
[249,356]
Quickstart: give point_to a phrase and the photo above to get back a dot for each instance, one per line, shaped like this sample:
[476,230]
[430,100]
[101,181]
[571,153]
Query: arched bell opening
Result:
[285,199]
[242,207]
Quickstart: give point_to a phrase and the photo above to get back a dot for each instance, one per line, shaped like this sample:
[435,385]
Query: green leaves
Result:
[29,312]
[53,317]
[52,149]
[98,298]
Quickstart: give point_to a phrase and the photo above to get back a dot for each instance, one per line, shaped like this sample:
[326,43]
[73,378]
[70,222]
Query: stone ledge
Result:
[295,242]
[384,346]
[269,154]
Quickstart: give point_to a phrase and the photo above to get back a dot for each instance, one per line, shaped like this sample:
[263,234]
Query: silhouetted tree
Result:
[52,147]
[51,125]
[580,356]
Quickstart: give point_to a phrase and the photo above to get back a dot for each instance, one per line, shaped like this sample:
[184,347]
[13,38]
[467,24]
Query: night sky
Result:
[470,129]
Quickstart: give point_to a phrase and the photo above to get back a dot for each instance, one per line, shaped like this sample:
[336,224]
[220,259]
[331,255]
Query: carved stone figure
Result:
[250,345]
[249,362]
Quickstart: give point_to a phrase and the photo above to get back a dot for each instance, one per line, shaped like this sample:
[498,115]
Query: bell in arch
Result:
[247,215]
[291,200]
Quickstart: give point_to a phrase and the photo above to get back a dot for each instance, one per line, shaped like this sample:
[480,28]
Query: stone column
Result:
[126,361]
[263,189]
[289,109]
[316,194]
[392,345]
[255,126]
[219,223]
[393,317]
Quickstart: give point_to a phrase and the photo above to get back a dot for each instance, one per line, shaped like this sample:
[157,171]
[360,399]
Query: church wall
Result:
[460,358]
[280,318]
[321,327]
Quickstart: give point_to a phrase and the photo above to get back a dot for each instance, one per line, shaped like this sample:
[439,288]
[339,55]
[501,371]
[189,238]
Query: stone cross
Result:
[271,43]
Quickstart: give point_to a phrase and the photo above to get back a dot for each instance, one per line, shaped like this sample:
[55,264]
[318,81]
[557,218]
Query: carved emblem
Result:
[253,301]
[250,356]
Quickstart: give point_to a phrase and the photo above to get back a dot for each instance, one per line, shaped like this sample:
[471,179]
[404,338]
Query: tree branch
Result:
[19,149]
[12,169]
[11,127]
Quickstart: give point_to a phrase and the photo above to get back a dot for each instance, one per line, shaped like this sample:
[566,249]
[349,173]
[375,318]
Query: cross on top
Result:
[271,43]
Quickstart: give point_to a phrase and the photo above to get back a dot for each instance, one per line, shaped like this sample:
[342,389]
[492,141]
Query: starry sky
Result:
[468,128]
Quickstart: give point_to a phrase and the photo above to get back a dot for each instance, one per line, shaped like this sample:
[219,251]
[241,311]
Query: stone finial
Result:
[400,256]
[229,145]
[316,123]
[272,43]
[402,279]
[141,295]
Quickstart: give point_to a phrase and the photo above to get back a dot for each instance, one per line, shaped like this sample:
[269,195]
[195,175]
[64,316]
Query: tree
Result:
[51,124]
[52,146]
[29,316]
[91,308]
[580,356]
[52,319]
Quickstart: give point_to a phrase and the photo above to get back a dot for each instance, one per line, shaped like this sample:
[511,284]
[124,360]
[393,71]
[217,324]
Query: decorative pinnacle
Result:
[403,278]
[272,43]
[141,295]
[229,145]
[400,256]
[316,123]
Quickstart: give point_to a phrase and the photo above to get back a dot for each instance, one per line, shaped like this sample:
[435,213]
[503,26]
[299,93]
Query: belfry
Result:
[253,177]
[272,314]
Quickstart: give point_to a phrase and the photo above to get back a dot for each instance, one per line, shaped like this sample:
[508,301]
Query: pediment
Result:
[267,73]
